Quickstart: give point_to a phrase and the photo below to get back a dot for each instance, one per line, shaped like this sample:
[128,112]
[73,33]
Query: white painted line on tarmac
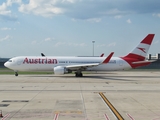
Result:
[130,116]
[7,115]
[56,116]
[106,117]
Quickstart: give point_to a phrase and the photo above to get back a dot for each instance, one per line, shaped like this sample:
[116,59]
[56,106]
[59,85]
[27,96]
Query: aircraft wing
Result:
[84,66]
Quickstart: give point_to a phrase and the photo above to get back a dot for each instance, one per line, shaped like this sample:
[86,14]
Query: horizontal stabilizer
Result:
[141,62]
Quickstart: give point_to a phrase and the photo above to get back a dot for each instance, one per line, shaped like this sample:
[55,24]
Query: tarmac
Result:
[135,95]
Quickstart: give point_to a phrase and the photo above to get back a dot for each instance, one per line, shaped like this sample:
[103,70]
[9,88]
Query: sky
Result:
[68,27]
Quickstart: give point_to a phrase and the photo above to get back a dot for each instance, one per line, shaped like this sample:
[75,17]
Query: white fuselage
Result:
[35,63]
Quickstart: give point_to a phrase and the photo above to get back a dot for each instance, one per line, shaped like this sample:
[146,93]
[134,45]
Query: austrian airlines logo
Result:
[142,49]
[40,61]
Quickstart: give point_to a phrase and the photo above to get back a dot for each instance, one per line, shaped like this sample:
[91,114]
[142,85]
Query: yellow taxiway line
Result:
[116,113]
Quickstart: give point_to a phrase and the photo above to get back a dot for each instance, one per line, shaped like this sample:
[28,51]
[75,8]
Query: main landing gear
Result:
[78,74]
[16,73]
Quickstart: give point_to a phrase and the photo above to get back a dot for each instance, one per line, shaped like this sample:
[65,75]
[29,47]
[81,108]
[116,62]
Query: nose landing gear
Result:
[16,73]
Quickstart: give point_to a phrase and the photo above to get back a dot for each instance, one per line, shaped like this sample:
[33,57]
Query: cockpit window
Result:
[9,60]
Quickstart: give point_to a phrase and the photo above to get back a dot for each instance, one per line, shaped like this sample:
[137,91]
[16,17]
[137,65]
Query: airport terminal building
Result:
[153,65]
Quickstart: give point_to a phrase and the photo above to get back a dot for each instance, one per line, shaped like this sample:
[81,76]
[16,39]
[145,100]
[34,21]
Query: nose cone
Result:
[6,64]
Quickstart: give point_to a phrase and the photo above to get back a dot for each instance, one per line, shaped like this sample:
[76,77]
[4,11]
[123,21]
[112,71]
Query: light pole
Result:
[93,47]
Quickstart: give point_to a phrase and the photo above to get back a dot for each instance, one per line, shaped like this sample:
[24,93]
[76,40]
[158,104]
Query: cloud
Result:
[42,41]
[107,45]
[82,44]
[5,28]
[5,38]
[156,42]
[48,39]
[59,44]
[93,20]
[115,11]
[70,1]
[70,44]
[112,44]
[10,2]
[6,14]
[45,8]
[157,15]
[34,42]
[89,10]
[117,16]
[129,21]
[76,44]
[141,7]
[101,45]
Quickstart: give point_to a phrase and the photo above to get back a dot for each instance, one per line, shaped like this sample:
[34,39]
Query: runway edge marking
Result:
[116,113]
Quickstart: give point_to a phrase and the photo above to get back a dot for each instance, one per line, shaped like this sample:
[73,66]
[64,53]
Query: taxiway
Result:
[134,94]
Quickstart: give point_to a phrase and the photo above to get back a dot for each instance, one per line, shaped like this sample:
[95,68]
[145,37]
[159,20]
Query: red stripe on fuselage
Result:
[133,57]
[130,58]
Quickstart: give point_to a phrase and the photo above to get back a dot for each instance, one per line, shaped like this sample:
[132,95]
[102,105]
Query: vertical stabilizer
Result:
[136,57]
[141,50]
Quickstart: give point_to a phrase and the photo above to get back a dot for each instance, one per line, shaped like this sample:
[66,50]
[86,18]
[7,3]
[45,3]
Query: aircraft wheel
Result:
[78,74]
[16,74]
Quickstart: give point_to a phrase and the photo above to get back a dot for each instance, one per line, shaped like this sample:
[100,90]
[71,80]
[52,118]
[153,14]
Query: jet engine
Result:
[60,70]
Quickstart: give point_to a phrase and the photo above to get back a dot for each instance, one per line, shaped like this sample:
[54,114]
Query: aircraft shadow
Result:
[119,78]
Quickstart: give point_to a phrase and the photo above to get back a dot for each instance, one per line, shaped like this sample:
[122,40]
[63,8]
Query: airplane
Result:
[64,65]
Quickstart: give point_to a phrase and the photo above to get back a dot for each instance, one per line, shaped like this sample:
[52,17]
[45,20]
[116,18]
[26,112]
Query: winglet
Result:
[108,58]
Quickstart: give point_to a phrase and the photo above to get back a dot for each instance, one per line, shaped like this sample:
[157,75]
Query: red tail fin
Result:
[139,52]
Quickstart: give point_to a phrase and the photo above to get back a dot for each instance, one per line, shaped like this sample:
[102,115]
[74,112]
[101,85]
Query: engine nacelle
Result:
[60,70]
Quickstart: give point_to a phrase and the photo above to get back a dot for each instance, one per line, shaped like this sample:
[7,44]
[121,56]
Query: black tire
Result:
[16,74]
[76,74]
[80,75]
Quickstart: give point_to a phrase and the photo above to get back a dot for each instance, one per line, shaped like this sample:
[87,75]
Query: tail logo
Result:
[142,49]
